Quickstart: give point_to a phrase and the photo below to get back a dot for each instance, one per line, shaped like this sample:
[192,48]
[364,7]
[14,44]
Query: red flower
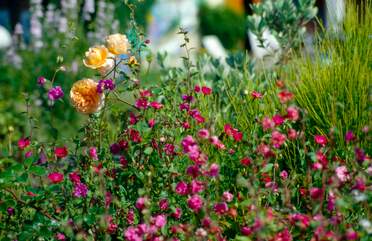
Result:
[23,143]
[246,161]
[156,105]
[321,140]
[278,120]
[285,96]
[197,89]
[256,95]
[316,193]
[55,177]
[135,136]
[206,90]
[61,152]
[145,93]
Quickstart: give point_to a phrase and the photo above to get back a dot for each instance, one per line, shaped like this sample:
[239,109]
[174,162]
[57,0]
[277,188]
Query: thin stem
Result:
[124,101]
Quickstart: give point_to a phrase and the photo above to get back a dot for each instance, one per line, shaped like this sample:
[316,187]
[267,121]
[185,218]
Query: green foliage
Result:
[223,22]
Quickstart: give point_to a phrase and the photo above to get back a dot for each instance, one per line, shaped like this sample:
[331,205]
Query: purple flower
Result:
[55,93]
[107,84]
[41,81]
[10,211]
[80,190]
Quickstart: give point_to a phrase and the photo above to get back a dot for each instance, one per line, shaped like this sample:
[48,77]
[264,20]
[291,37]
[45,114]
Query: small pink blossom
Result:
[156,105]
[278,120]
[55,93]
[197,89]
[321,140]
[195,203]
[55,177]
[214,170]
[61,152]
[284,174]
[93,153]
[80,190]
[203,133]
[285,96]
[256,95]
[177,213]
[181,188]
[163,204]
[151,123]
[292,134]
[23,143]
[293,113]
[277,139]
[342,173]
[206,90]
[227,196]
[267,123]
[349,136]
[141,203]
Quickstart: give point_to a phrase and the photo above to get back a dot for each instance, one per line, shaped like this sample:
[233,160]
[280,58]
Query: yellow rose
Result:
[84,96]
[117,43]
[96,57]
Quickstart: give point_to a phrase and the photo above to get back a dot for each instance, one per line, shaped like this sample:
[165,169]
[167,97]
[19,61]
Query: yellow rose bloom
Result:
[96,57]
[117,44]
[84,96]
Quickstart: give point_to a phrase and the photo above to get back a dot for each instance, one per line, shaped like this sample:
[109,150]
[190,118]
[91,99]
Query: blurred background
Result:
[36,36]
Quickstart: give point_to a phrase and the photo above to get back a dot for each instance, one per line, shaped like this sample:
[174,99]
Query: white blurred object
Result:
[214,46]
[270,53]
[5,38]
[335,14]
[214,3]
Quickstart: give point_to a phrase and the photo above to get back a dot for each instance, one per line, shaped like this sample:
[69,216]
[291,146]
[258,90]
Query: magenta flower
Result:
[256,95]
[316,193]
[61,152]
[349,136]
[221,208]
[163,204]
[285,96]
[195,203]
[197,89]
[74,177]
[321,140]
[41,80]
[93,153]
[142,103]
[181,188]
[80,190]
[160,220]
[267,123]
[293,113]
[141,203]
[177,213]
[214,170]
[107,84]
[196,186]
[277,139]
[278,120]
[203,133]
[156,105]
[55,177]
[227,196]
[55,93]
[284,175]
[60,237]
[23,143]
[206,90]
[292,134]
[151,123]
[130,216]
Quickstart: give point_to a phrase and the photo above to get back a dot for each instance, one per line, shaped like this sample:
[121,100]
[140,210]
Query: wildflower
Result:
[111,227]
[184,106]
[351,235]
[284,235]
[227,196]
[360,155]
[188,98]
[95,57]
[195,203]
[135,136]
[342,173]
[115,149]
[55,93]
[197,89]
[117,44]
[278,120]
[160,220]
[133,119]
[163,204]
[264,150]
[85,97]
[316,193]
[245,161]
[256,95]
[203,133]
[293,113]
[302,220]
[41,80]
[216,142]
[284,175]
[193,171]
[285,96]
[185,125]
[292,134]
[246,231]
[331,201]
[60,237]
[130,216]
[359,184]
[142,103]
[80,190]
[267,123]
[321,140]
[349,136]
[61,152]
[214,170]
[23,143]
[181,188]
[177,213]
[196,186]
[10,211]
[206,222]
[206,90]
[277,139]
[141,203]
[151,123]
[123,161]
[156,105]
[93,153]
[200,232]
[107,84]
[55,177]
[74,177]
[169,149]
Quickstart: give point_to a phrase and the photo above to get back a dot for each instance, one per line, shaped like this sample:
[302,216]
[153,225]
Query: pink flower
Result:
[284,235]
[145,93]
[359,184]
[206,90]
[55,177]
[285,96]
[142,103]
[93,153]
[221,208]
[135,136]
[265,150]
[278,120]
[74,177]
[156,105]
[181,188]
[246,231]
[163,204]
[196,186]
[246,161]
[80,190]
[61,152]
[133,119]
[169,149]
[23,143]
[197,89]
[185,125]
[293,113]
[316,193]
[351,235]
[292,134]
[331,201]
[55,93]
[256,95]
[342,173]
[349,136]
[284,175]
[203,133]
[302,220]
[195,203]
[151,123]
[227,196]
[214,170]
[277,139]
[41,80]
[141,203]
[267,123]
[60,237]
[216,142]
[130,216]
[28,154]
[177,213]
[321,140]
[160,220]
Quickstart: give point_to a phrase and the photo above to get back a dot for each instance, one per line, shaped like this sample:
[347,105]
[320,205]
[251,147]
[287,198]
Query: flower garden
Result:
[214,149]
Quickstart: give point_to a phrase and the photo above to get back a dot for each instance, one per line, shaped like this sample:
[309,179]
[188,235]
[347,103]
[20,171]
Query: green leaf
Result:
[37,170]
[267,168]
[148,150]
